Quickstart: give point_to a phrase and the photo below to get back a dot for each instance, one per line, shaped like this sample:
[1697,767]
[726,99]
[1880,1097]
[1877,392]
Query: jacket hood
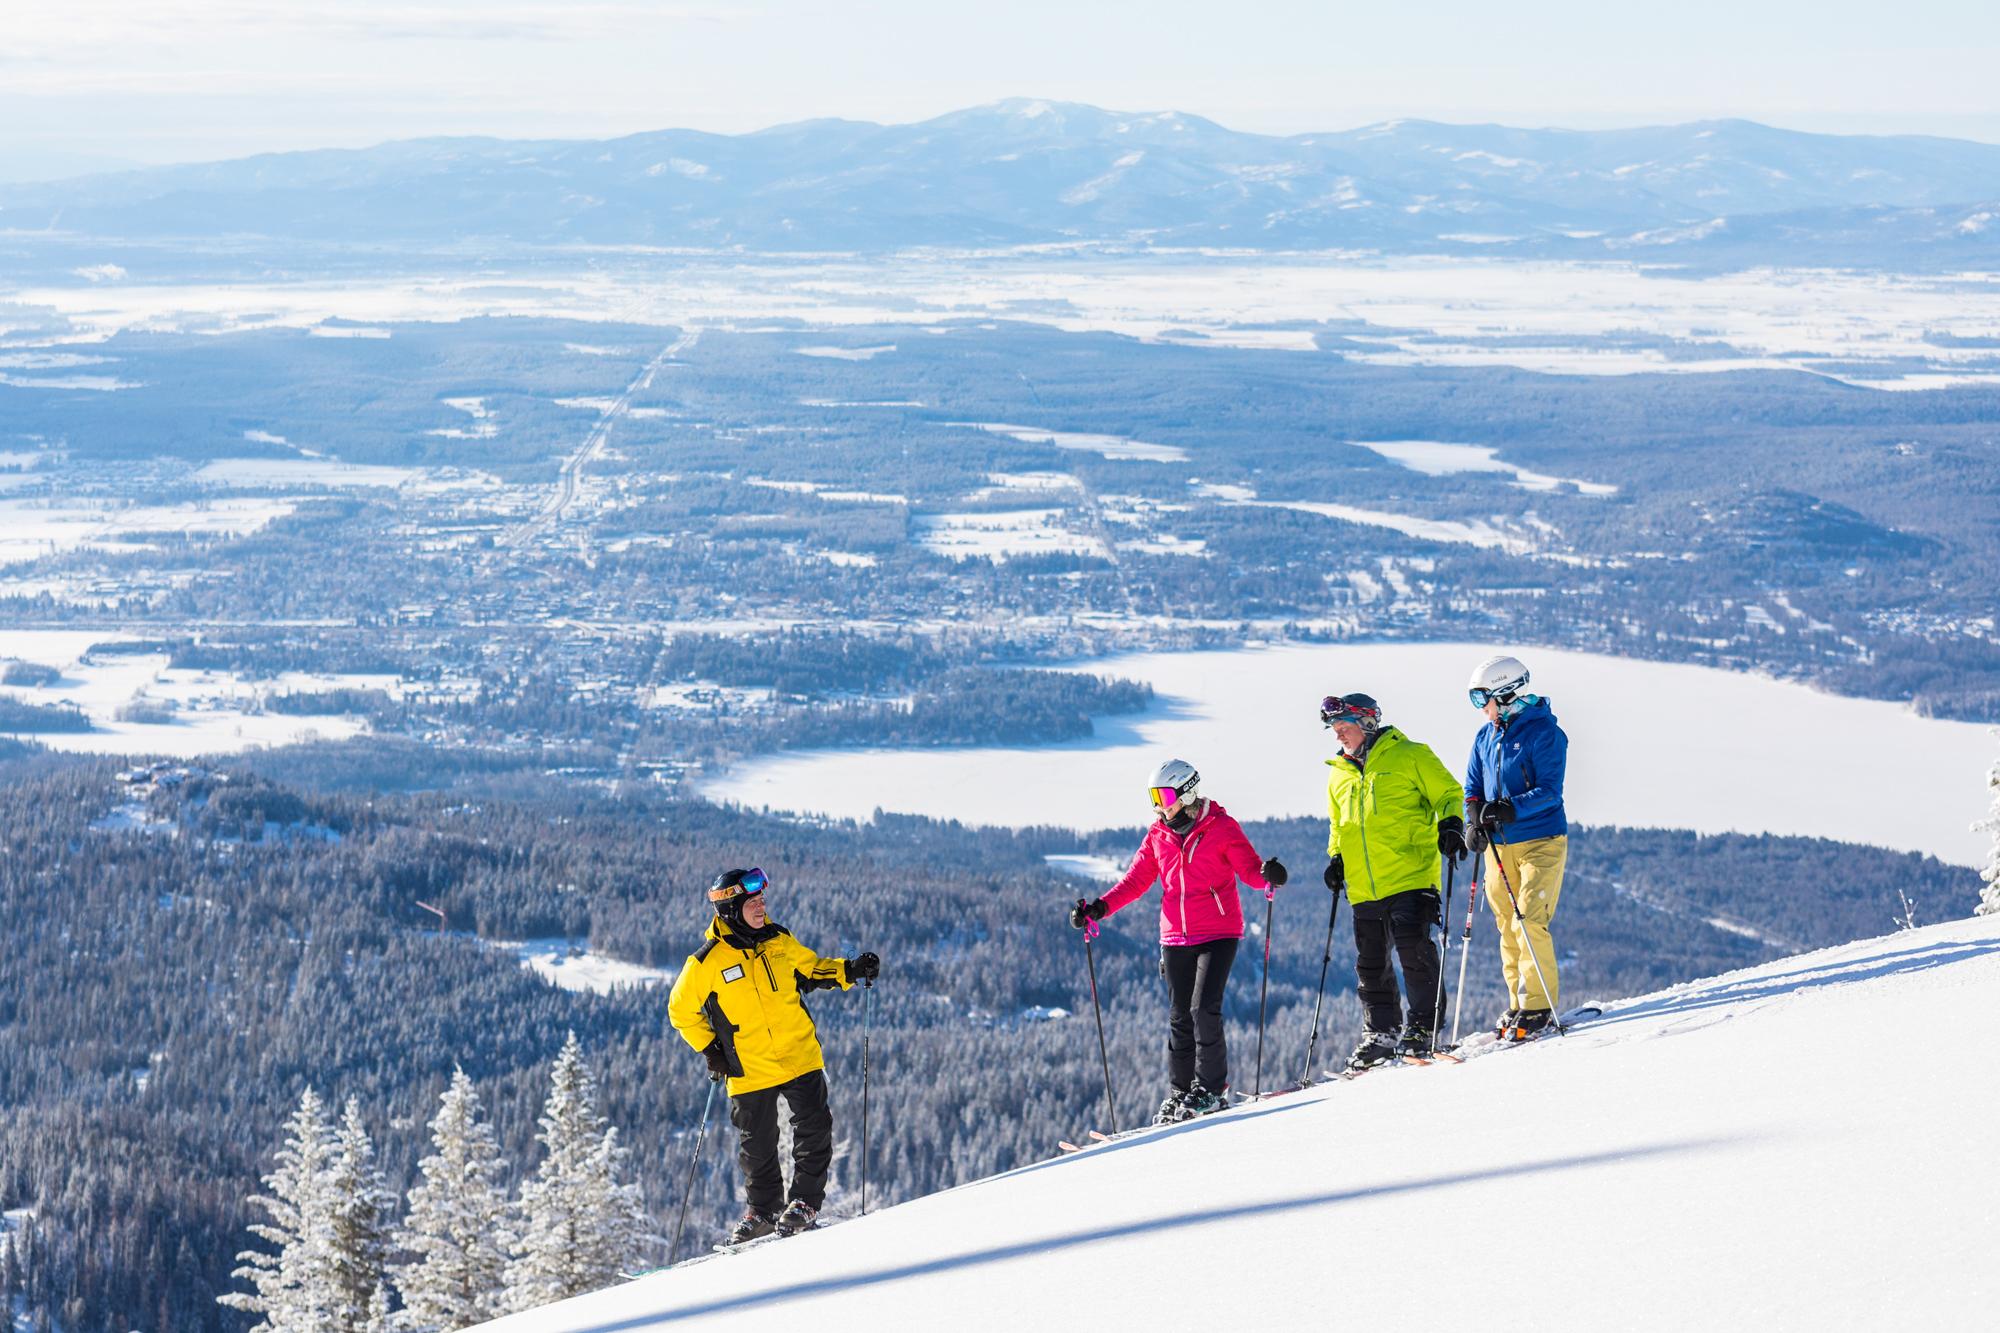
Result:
[1533,707]
[1384,736]
[719,930]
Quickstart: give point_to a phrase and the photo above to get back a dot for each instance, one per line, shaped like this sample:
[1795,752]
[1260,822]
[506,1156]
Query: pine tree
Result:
[581,1226]
[379,1319]
[358,1239]
[460,1224]
[294,1286]
[1989,897]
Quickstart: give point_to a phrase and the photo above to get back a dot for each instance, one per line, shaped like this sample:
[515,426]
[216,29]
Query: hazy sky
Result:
[179,80]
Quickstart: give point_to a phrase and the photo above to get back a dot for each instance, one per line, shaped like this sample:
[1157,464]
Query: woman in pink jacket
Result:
[1196,853]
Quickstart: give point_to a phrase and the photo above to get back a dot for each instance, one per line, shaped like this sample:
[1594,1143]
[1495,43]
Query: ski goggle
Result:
[1332,710]
[1481,696]
[1164,797]
[749,886]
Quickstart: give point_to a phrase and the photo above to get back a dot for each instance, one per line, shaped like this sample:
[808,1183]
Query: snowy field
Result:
[30,530]
[999,535]
[1651,745]
[1436,459]
[1421,311]
[577,969]
[212,712]
[1709,1157]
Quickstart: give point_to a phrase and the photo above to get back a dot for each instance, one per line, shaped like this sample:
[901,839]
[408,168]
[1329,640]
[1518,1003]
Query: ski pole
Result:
[1444,936]
[687,1194]
[1263,990]
[867,994]
[1312,1042]
[1464,953]
[1090,957]
[1521,922]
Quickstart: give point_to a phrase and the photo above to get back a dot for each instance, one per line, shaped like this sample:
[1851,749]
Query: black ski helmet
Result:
[1360,709]
[730,890]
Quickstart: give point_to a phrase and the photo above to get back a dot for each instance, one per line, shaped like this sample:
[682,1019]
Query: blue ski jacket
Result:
[1522,759]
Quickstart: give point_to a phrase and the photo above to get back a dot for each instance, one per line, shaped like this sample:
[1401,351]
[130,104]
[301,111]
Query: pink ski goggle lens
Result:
[1163,797]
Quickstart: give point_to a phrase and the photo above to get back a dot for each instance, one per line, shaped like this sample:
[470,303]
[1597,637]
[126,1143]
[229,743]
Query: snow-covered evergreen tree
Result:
[379,1319]
[358,1240]
[293,1286]
[459,1225]
[1989,897]
[581,1226]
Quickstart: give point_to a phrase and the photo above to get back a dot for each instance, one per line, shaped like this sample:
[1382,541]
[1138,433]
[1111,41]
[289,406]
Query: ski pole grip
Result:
[1090,929]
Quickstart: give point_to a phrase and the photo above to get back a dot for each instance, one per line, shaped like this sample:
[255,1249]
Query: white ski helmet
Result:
[1499,677]
[1173,786]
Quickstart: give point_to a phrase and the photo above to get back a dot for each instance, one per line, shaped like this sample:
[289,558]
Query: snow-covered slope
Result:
[1805,1145]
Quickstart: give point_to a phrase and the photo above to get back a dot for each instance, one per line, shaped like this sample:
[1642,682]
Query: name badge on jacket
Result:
[733,973]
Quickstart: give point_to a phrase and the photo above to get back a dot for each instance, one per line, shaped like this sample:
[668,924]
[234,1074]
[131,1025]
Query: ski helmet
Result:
[732,888]
[1499,677]
[1173,786]
[1359,709]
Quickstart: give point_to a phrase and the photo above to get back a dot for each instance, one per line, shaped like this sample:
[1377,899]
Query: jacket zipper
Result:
[1361,809]
[769,1031]
[1187,850]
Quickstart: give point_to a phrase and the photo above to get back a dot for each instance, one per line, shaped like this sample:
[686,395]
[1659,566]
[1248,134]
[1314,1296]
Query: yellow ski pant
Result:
[1535,870]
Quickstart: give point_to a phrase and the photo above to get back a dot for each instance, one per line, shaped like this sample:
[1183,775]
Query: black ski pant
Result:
[1403,920]
[755,1115]
[1196,975]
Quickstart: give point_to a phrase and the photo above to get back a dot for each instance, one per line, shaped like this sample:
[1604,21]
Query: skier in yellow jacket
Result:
[737,1001]
[1392,810]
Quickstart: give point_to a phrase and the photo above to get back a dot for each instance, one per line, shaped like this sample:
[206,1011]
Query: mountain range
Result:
[1024,172]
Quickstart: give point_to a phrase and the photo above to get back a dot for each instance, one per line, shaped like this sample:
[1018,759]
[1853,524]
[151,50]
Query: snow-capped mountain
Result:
[1802,1145]
[1021,172]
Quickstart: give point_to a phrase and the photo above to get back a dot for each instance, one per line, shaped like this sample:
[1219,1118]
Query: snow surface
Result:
[996,536]
[30,530]
[216,712]
[1429,311]
[1652,745]
[575,969]
[1471,533]
[1434,458]
[1713,1156]
[1108,446]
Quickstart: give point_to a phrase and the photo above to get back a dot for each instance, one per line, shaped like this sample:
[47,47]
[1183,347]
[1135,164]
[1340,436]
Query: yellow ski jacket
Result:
[748,996]
[1382,816]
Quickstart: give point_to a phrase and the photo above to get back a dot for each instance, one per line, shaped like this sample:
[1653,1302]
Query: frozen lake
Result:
[1651,745]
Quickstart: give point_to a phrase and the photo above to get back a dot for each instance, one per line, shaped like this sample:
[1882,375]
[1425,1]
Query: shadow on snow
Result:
[1149,1227]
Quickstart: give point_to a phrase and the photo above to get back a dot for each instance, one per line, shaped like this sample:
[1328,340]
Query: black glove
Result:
[718,1061]
[1476,838]
[1496,814]
[1094,910]
[1334,877]
[1275,873]
[1451,837]
[867,967]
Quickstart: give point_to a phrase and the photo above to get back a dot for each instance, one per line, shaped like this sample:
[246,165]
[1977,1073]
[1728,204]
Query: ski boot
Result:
[1376,1048]
[1170,1109]
[1200,1101]
[751,1225]
[1529,1023]
[1417,1042]
[798,1216]
[1505,1023]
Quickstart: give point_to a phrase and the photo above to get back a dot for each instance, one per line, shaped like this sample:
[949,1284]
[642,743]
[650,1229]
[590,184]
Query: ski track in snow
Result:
[1713,1156]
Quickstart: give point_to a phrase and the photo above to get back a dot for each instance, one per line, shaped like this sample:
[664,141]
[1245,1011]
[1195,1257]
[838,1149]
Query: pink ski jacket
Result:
[1197,871]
